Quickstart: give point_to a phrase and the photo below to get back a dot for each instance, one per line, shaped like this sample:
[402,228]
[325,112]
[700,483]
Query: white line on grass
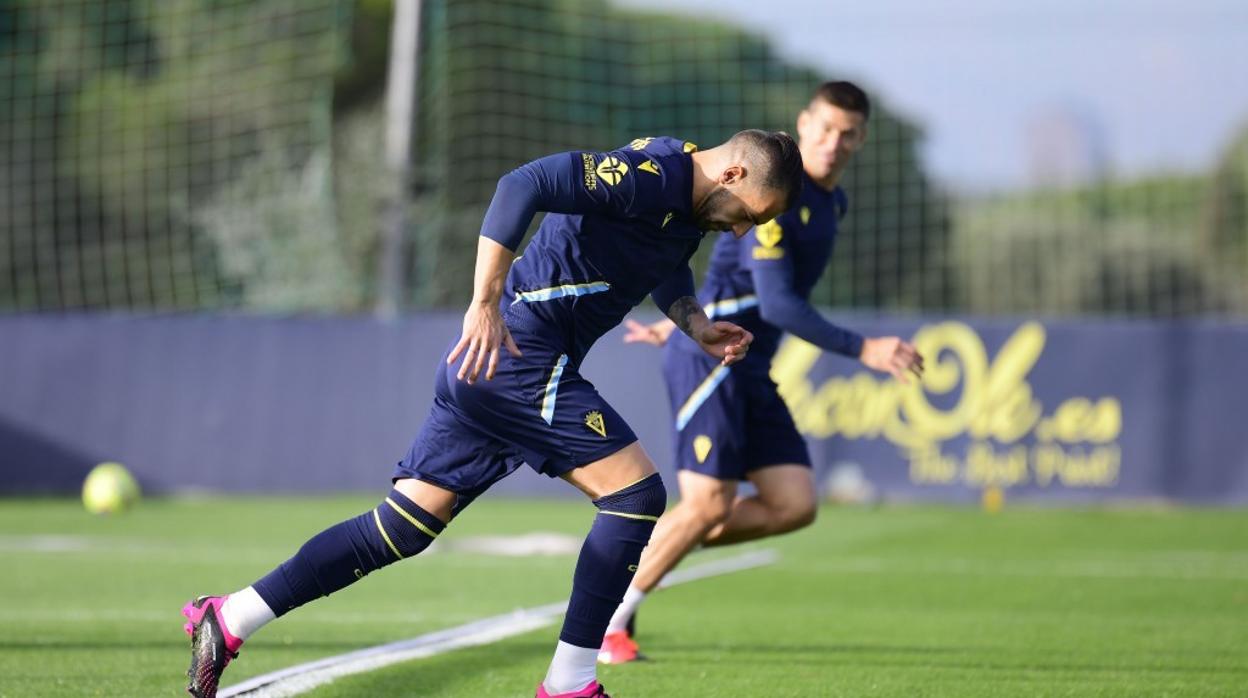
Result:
[302,678]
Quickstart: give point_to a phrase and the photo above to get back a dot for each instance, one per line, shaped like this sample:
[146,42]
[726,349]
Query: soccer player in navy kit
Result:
[621,225]
[730,422]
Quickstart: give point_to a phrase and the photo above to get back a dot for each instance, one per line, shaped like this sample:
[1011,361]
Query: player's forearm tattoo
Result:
[683,311]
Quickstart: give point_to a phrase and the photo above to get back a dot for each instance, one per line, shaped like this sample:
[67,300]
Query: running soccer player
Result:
[730,422]
[621,225]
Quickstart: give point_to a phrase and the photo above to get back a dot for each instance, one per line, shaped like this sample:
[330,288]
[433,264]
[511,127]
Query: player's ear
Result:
[732,174]
[803,118]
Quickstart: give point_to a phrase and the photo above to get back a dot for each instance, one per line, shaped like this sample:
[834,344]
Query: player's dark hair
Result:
[777,155]
[844,94]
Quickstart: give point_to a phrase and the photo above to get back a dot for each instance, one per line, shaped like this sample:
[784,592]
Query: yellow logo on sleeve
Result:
[612,169]
[649,166]
[690,147]
[595,422]
[702,447]
[769,233]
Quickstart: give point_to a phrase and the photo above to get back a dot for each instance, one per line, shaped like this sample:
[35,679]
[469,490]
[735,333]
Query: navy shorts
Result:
[536,410]
[728,420]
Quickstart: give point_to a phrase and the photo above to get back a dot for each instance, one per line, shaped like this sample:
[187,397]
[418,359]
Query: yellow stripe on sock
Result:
[377,518]
[641,517]
[411,519]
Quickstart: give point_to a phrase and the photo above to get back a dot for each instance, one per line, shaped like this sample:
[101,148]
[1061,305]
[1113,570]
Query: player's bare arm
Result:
[655,333]
[484,329]
[892,355]
[723,340]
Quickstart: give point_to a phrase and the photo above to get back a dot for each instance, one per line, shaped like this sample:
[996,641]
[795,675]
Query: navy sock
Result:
[609,558]
[341,554]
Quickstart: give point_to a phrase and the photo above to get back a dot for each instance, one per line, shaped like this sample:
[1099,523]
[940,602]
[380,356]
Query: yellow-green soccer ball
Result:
[109,489]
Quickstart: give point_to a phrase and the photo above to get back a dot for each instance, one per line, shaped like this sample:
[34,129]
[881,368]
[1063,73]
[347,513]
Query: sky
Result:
[1143,85]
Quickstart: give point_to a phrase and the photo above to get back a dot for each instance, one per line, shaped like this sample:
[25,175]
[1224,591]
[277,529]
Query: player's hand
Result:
[892,355]
[725,341]
[484,333]
[655,333]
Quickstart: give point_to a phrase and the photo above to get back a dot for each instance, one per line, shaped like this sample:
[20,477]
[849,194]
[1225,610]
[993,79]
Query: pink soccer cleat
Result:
[619,648]
[212,646]
[593,690]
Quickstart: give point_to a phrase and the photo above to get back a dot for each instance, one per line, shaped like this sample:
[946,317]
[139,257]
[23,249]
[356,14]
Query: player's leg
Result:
[777,462]
[570,431]
[399,527]
[630,497]
[704,503]
[450,462]
[785,502]
[710,414]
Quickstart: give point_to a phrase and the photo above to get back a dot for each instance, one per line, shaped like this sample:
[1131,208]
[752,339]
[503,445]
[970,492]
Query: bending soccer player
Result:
[621,225]
[730,423]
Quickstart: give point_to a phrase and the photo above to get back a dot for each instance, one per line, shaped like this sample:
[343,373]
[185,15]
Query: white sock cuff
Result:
[245,612]
[571,669]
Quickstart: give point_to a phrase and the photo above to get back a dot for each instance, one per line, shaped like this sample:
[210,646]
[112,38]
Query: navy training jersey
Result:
[619,226]
[798,243]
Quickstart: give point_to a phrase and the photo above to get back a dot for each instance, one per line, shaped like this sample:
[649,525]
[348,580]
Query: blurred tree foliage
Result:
[1162,246]
[133,127]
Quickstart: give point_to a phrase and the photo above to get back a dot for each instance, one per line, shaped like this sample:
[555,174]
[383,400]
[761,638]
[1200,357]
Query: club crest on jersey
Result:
[769,233]
[702,447]
[612,169]
[595,422]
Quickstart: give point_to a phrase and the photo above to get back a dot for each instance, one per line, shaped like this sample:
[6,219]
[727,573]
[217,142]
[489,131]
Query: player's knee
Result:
[797,514]
[712,510]
[644,500]
[404,526]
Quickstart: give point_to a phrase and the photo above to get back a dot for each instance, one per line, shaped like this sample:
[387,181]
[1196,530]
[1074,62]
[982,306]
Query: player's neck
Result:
[829,182]
[704,163]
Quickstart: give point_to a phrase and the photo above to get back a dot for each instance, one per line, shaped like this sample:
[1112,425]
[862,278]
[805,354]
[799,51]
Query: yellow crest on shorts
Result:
[702,447]
[595,422]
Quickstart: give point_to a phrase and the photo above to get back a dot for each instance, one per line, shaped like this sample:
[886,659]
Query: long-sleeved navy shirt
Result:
[763,280]
[619,227]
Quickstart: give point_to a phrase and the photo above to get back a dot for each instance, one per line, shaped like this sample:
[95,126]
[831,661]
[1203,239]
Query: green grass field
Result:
[898,601]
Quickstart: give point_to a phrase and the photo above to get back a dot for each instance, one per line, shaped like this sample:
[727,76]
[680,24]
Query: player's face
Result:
[735,205]
[828,137]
